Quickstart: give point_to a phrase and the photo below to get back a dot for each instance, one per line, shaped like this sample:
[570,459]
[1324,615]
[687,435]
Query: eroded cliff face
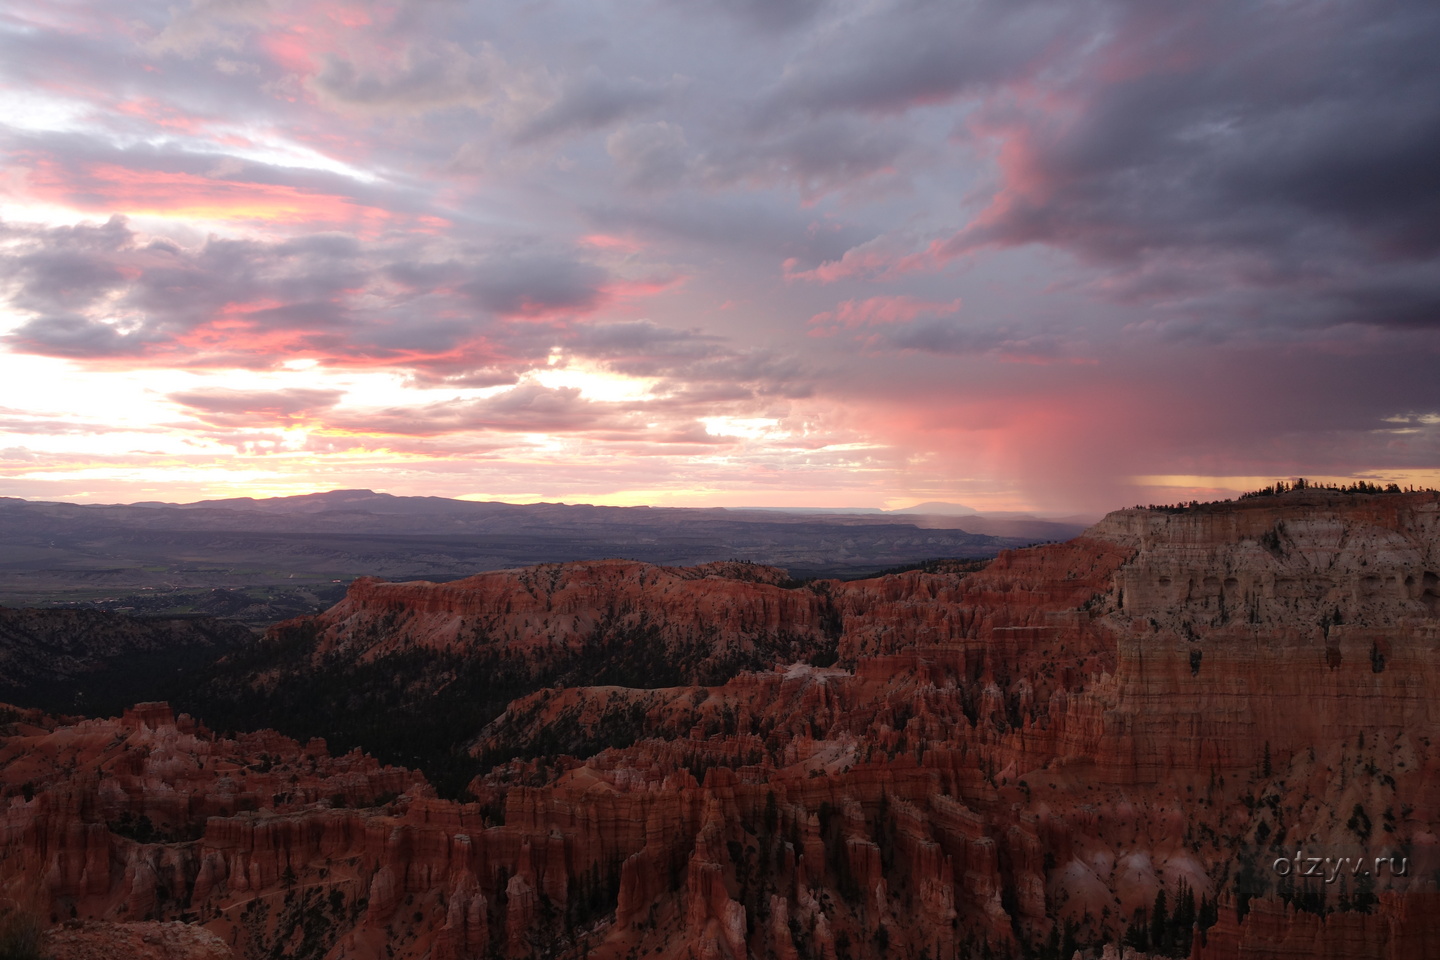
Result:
[1017,759]
[704,616]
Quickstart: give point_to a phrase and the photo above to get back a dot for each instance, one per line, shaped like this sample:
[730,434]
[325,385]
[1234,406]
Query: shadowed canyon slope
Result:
[91,660]
[718,762]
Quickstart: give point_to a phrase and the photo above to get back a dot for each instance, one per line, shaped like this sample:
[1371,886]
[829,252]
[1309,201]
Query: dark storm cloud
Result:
[1402,303]
[1285,149]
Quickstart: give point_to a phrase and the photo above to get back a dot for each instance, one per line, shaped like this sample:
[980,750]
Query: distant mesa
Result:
[939,508]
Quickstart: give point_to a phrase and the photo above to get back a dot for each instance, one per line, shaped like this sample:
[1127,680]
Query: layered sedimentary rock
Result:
[1040,757]
[698,614]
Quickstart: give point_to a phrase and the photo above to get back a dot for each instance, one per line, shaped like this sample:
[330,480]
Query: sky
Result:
[1061,257]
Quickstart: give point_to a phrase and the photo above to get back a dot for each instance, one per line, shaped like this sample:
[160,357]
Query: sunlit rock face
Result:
[932,765]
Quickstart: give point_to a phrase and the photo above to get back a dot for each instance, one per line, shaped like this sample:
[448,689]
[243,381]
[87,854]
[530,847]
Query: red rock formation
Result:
[537,610]
[1028,755]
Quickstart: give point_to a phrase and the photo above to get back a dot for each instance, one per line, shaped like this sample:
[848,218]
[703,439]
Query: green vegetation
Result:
[939,565]
[305,925]
[254,605]
[19,935]
[837,859]
[97,663]
[1359,823]
[421,708]
[142,830]
[1166,930]
[1360,486]
[416,708]
[1280,488]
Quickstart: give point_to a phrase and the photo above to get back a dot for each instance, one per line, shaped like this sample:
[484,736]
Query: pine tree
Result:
[1182,923]
[1160,923]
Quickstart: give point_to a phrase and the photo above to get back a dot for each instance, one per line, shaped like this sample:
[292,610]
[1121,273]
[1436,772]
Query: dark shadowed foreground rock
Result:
[95,940]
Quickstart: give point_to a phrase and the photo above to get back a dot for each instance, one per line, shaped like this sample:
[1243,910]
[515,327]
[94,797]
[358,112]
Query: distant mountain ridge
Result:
[285,549]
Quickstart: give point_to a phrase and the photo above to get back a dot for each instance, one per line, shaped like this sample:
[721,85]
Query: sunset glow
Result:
[1059,259]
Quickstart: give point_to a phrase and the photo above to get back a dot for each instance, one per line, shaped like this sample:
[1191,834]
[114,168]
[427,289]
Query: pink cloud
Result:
[633,289]
[161,115]
[877,311]
[605,241]
[111,188]
[883,258]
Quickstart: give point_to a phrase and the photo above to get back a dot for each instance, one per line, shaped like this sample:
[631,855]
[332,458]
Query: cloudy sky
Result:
[1058,256]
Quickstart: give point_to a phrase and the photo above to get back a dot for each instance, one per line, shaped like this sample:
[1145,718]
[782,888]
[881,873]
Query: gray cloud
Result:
[428,77]
[528,408]
[642,344]
[765,15]
[736,226]
[242,408]
[534,284]
[650,155]
[209,23]
[255,303]
[949,337]
[69,272]
[590,101]
[77,338]
[906,53]
[826,154]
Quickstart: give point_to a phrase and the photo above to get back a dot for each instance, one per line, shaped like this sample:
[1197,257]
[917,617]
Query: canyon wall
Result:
[930,764]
